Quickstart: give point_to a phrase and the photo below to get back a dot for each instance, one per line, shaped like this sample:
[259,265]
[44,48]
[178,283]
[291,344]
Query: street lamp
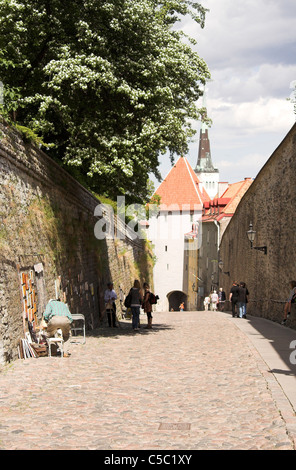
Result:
[251,236]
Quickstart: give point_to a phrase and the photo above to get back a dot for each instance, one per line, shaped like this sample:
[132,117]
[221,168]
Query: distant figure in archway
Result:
[222,299]
[214,301]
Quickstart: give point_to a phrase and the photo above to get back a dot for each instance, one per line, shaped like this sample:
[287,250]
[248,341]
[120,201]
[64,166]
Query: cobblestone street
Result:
[193,382]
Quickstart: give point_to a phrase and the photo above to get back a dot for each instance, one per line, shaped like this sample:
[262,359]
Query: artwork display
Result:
[75,291]
[29,296]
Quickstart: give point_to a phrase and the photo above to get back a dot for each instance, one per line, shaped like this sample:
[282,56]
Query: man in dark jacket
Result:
[233,297]
[242,300]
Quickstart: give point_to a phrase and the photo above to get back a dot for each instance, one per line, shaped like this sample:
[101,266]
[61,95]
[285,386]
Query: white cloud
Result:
[246,84]
[246,31]
[250,48]
[249,165]
[253,117]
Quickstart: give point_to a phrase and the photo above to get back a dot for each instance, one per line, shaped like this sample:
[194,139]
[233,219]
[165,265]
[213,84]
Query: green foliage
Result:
[29,135]
[153,206]
[107,201]
[109,84]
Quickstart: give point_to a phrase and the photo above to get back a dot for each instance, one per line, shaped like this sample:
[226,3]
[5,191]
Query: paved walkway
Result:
[197,380]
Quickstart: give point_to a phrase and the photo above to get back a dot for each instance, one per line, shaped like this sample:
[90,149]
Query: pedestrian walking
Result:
[222,299]
[242,300]
[147,305]
[214,301]
[136,302]
[233,297]
[109,298]
[289,301]
[207,302]
[181,307]
[121,300]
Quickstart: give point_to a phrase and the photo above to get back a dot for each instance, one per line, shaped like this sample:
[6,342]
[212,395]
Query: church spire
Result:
[205,170]
[204,160]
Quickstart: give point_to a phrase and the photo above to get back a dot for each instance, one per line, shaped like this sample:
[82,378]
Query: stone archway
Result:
[175,298]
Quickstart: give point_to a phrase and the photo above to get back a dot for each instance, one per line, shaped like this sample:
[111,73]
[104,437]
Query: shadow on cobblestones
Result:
[191,382]
[125,329]
[283,372]
[278,337]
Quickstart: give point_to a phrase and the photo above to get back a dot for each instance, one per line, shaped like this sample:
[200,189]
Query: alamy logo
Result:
[136,221]
[293,354]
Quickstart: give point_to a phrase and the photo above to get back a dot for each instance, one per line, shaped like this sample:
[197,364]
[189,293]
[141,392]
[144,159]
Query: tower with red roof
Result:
[176,223]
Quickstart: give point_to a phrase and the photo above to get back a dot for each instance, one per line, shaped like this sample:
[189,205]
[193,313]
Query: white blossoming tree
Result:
[109,85]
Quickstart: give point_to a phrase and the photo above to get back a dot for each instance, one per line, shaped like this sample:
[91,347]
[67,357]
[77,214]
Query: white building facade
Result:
[179,212]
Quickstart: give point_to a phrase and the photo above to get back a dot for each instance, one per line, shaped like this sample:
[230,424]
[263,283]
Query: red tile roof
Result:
[180,187]
[226,205]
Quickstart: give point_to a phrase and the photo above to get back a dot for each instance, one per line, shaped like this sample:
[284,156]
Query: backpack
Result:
[128,300]
[293,300]
[152,299]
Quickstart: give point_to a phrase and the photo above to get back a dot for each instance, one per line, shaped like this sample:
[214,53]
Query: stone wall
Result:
[48,247]
[269,205]
[207,262]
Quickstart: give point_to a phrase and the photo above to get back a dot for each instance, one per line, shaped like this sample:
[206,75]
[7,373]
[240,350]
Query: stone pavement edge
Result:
[196,381]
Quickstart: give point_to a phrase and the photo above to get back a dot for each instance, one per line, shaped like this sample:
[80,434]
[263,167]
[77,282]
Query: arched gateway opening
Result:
[175,298]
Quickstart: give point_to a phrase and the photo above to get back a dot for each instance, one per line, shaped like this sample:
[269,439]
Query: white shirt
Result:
[110,295]
[214,298]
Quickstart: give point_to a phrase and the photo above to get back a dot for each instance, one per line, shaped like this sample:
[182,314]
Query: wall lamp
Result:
[221,264]
[251,236]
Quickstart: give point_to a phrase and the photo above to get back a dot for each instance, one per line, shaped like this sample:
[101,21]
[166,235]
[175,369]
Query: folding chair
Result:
[78,317]
[57,341]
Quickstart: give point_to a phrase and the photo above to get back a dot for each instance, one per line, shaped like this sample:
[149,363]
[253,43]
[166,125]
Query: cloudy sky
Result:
[250,49]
